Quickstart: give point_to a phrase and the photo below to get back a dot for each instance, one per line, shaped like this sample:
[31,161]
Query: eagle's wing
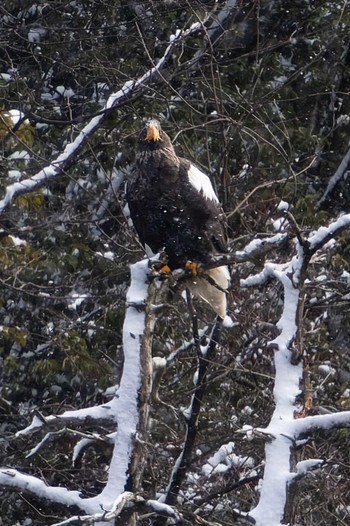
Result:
[216,222]
[202,183]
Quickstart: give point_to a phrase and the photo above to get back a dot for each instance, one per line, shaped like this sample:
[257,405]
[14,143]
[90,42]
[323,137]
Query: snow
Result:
[283,206]
[35,34]
[137,293]
[277,475]
[162,508]
[269,511]
[24,155]
[228,322]
[258,279]
[79,447]
[106,255]
[257,244]
[16,116]
[346,275]
[327,421]
[159,362]
[201,183]
[67,93]
[196,26]
[279,223]
[125,403]
[78,299]
[225,459]
[12,478]
[319,237]
[6,77]
[174,37]
[304,466]
[17,241]
[14,174]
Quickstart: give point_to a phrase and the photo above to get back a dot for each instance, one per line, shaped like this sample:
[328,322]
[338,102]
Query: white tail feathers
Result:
[209,293]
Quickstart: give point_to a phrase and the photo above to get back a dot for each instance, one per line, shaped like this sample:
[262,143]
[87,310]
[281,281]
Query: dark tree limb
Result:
[184,460]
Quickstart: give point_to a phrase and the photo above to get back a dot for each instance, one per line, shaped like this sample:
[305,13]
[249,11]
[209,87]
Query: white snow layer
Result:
[125,403]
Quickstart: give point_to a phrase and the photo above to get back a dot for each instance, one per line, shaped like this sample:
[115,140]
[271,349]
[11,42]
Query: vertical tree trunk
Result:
[139,454]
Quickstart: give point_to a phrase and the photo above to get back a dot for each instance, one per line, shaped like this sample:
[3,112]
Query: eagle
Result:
[175,210]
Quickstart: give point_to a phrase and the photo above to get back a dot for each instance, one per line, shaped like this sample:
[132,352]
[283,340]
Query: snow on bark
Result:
[257,244]
[15,479]
[324,234]
[125,403]
[277,475]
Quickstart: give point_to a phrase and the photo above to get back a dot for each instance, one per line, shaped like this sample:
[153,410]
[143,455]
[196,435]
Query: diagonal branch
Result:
[339,174]
[181,466]
[129,91]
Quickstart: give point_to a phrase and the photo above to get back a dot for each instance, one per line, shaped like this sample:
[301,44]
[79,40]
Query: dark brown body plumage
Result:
[167,211]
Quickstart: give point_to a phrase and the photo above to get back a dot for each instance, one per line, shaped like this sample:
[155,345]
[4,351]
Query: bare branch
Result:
[184,459]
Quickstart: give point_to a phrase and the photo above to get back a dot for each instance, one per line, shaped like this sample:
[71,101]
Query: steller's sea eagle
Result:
[175,209]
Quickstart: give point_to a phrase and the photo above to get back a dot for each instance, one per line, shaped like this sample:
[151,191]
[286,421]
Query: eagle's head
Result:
[153,139]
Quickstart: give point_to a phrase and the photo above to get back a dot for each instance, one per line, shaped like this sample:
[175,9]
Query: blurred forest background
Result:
[259,98]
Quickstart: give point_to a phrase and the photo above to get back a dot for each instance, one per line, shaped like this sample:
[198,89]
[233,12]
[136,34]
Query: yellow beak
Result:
[152,134]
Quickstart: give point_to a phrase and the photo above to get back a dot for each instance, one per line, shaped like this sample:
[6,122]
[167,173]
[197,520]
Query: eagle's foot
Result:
[165,269]
[160,268]
[192,267]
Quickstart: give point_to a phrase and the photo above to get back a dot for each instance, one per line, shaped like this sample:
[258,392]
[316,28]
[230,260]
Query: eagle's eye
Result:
[152,134]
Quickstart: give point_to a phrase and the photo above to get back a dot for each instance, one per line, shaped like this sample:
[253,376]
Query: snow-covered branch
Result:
[261,246]
[312,423]
[102,413]
[287,423]
[126,502]
[14,479]
[325,233]
[277,475]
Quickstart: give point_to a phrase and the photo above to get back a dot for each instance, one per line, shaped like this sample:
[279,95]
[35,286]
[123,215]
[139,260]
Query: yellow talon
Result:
[192,266]
[165,270]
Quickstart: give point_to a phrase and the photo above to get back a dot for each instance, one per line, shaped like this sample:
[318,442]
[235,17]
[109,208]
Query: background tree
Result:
[257,94]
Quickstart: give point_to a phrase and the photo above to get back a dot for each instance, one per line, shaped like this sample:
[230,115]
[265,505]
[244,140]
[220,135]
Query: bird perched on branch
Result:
[175,209]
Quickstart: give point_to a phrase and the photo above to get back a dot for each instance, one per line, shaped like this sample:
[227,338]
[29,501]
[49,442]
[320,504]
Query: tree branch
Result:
[184,459]
[336,178]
